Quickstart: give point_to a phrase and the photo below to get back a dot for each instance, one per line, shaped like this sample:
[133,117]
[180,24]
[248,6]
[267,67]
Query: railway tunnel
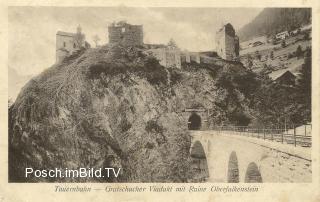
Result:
[194,122]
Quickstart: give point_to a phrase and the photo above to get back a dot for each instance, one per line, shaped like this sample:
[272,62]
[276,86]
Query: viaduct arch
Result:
[233,159]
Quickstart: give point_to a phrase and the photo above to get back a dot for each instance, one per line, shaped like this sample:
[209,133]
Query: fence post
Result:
[294,137]
[272,135]
[305,130]
[264,134]
[282,138]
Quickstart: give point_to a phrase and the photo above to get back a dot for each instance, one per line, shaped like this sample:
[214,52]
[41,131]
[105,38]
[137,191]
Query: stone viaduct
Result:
[222,157]
[226,156]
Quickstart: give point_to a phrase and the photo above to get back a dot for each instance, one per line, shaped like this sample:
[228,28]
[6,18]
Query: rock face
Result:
[112,107]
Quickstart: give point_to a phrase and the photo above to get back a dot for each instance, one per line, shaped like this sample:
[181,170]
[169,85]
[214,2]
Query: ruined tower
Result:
[67,43]
[227,43]
[126,34]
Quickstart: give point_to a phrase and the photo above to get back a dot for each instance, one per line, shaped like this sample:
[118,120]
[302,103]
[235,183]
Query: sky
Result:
[32,29]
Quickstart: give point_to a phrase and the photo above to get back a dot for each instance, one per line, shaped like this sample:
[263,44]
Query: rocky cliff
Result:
[117,107]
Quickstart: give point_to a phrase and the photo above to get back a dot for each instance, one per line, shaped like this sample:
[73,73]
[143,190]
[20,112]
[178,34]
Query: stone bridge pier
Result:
[233,158]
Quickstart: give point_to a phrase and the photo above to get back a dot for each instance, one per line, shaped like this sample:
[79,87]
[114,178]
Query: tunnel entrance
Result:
[194,122]
[199,165]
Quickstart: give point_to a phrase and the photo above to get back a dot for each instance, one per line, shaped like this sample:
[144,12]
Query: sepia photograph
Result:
[159,94]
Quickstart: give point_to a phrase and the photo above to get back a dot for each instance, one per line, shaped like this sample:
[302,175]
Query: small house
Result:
[286,78]
[282,35]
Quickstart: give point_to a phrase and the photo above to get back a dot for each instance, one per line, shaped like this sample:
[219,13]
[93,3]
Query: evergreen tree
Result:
[271,55]
[304,87]
[299,52]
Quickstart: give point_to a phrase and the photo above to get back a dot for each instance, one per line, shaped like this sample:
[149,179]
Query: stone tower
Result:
[126,34]
[67,43]
[227,43]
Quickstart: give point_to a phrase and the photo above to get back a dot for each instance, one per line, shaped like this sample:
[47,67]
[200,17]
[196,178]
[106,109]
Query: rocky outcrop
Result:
[113,107]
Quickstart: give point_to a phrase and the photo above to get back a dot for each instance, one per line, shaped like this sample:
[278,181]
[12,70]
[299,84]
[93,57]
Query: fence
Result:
[294,136]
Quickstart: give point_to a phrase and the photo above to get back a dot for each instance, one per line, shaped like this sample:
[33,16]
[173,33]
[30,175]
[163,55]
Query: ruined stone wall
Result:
[160,54]
[229,47]
[227,43]
[189,57]
[126,34]
[67,44]
[220,44]
[167,57]
[114,34]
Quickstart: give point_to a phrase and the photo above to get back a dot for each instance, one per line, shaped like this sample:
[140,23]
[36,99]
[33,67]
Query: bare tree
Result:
[96,39]
[79,38]
[172,43]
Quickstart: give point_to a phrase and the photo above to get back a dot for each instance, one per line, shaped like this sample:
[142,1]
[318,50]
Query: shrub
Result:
[175,76]
[306,36]
[153,127]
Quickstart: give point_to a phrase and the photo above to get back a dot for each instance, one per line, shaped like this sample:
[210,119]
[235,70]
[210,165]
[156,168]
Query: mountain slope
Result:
[117,107]
[273,20]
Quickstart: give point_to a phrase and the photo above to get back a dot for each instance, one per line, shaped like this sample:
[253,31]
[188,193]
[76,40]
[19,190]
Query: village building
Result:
[257,41]
[67,43]
[285,78]
[282,35]
[125,34]
[227,43]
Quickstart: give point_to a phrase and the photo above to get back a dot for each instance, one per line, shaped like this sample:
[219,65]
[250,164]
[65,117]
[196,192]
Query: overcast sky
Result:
[32,29]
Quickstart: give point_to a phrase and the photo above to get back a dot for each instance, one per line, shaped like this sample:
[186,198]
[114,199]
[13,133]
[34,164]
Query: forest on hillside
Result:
[274,20]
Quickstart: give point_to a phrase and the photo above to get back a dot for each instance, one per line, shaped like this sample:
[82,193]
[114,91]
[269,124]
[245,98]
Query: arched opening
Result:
[253,174]
[194,122]
[233,168]
[199,165]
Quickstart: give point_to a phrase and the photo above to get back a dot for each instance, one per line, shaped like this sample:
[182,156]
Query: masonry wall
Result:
[167,57]
[64,46]
[126,34]
[221,44]
[227,43]
[229,47]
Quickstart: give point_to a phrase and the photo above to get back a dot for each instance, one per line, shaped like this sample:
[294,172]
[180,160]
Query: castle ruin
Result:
[169,56]
[227,43]
[125,34]
[67,43]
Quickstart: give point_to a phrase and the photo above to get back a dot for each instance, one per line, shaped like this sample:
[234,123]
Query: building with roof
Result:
[282,35]
[253,42]
[67,43]
[286,78]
